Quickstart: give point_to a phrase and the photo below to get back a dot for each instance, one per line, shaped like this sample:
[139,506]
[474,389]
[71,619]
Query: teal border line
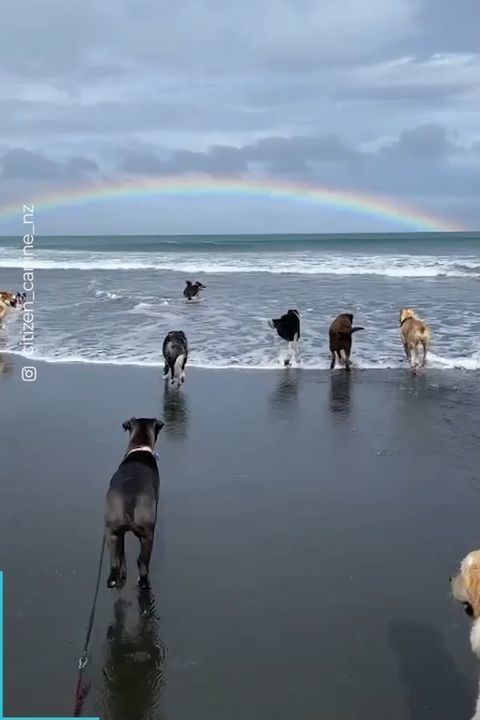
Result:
[1,671]
[1,644]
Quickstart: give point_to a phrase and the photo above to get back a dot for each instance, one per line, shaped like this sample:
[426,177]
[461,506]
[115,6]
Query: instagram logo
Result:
[29,374]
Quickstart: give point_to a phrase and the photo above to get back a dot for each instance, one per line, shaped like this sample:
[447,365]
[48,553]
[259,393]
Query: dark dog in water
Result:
[193,289]
[175,352]
[288,327]
[340,335]
[132,500]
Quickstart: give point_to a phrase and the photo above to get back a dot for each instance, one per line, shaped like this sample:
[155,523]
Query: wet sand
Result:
[308,526]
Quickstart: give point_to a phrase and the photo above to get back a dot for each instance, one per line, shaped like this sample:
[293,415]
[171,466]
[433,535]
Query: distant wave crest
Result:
[306,263]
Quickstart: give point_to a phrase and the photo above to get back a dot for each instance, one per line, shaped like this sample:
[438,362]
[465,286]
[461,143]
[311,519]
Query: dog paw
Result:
[143,582]
[116,580]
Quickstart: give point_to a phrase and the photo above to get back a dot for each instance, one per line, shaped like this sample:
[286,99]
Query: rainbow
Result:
[350,201]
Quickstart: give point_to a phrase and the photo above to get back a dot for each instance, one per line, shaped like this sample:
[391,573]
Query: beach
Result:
[309,522]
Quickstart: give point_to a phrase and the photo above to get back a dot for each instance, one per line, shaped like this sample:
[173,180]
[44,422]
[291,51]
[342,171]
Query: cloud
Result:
[200,36]
[276,154]
[427,142]
[440,76]
[353,94]
[20,163]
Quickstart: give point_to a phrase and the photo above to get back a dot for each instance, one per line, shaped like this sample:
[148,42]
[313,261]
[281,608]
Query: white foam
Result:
[199,360]
[107,294]
[303,263]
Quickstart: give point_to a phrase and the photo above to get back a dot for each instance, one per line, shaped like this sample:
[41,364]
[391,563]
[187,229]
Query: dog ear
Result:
[472,585]
[350,316]
[158,426]
[127,425]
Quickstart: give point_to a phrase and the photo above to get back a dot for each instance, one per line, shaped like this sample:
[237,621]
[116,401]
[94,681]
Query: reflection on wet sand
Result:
[285,394]
[433,685]
[340,392]
[6,366]
[175,412]
[134,667]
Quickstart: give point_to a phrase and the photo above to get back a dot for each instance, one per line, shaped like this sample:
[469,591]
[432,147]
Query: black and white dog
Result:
[288,327]
[132,499]
[193,289]
[175,352]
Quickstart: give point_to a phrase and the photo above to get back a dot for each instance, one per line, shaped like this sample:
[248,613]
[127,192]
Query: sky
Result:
[379,97]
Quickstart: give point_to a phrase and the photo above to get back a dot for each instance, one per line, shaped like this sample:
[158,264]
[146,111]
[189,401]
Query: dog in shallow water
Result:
[193,289]
[10,300]
[175,353]
[132,499]
[466,589]
[415,334]
[288,328]
[340,337]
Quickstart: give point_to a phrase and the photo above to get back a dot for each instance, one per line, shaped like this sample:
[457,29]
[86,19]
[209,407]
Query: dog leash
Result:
[82,687]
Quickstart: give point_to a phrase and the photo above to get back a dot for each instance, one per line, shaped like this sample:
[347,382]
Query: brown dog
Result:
[466,589]
[340,335]
[415,334]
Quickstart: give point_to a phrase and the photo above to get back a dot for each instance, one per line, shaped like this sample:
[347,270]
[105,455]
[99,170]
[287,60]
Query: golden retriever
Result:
[415,334]
[466,589]
[7,301]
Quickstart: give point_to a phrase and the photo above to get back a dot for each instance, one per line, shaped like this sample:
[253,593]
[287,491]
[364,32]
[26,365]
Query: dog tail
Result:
[132,526]
[425,335]
[355,329]
[178,367]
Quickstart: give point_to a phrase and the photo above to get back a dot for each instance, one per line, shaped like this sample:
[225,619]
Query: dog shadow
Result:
[175,412]
[134,667]
[340,393]
[435,689]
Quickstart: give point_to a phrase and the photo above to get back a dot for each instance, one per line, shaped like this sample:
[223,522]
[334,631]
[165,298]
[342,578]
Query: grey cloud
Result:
[86,37]
[20,163]
[425,161]
[427,142]
[429,81]
[453,26]
[289,88]
[406,94]
[111,118]
[277,154]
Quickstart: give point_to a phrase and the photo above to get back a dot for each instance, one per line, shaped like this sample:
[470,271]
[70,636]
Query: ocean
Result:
[113,299]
